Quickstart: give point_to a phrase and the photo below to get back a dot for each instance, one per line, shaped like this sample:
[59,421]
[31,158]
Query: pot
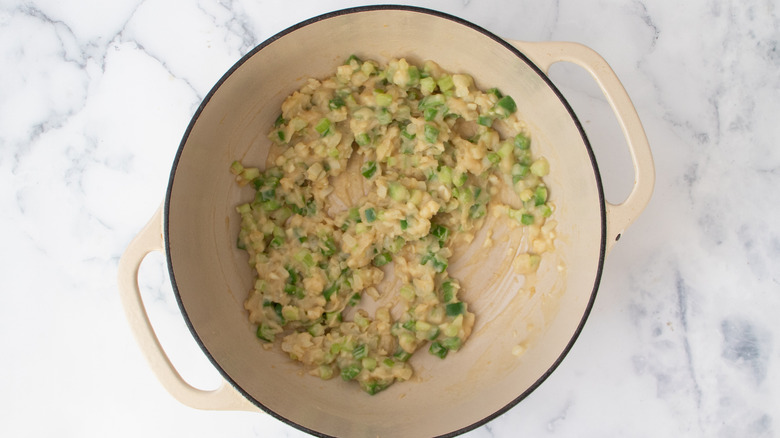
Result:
[523,330]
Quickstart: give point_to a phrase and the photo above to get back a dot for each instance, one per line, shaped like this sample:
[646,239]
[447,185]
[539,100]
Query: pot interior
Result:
[488,375]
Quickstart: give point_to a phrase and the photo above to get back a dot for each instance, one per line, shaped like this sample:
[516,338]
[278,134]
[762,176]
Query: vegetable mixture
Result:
[432,151]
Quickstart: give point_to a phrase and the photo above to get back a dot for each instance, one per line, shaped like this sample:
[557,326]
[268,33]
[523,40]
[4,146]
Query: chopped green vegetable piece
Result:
[440,232]
[519,172]
[383,99]
[360,352]
[370,214]
[354,299]
[336,103]
[276,242]
[461,179]
[437,349]
[485,120]
[352,58]
[404,224]
[327,293]
[527,219]
[448,291]
[431,133]
[439,265]
[384,116]
[454,309]
[266,333]
[402,355]
[505,106]
[271,205]
[477,211]
[382,259]
[398,191]
[430,114]
[323,127]
[540,167]
[453,343]
[522,141]
[369,169]
[279,121]
[350,372]
[374,387]
[496,92]
[445,83]
[407,292]
[427,85]
[540,195]
[362,139]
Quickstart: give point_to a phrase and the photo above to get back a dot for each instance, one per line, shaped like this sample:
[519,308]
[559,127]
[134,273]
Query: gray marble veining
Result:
[684,338]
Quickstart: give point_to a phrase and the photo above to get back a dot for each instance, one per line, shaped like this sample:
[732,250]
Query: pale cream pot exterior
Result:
[487,376]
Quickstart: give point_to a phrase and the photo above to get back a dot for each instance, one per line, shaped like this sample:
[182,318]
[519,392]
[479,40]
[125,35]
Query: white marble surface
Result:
[684,339]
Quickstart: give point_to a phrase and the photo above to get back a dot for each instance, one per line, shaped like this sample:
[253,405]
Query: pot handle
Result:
[544,55]
[149,239]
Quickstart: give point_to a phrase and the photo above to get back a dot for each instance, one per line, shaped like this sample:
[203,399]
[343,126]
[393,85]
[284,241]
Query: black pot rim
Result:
[413,9]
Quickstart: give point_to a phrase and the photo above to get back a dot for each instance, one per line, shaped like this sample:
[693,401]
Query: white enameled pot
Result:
[197,225]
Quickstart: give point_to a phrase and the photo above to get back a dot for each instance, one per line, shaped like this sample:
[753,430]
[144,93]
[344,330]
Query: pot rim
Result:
[411,9]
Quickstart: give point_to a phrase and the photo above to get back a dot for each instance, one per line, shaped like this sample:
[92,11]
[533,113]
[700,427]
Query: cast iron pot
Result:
[523,330]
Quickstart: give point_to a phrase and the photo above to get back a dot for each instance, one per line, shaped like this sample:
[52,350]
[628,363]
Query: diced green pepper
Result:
[336,103]
[454,309]
[370,214]
[382,259]
[540,195]
[369,169]
[440,232]
[505,106]
[360,351]
[437,349]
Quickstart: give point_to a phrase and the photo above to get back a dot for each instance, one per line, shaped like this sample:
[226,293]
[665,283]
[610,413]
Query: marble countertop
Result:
[683,340]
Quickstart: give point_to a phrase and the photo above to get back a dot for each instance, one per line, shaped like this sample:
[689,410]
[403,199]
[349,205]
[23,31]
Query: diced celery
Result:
[522,141]
[323,127]
[383,99]
[452,343]
[350,372]
[445,175]
[431,133]
[445,83]
[382,259]
[427,85]
[360,351]
[540,167]
[236,168]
